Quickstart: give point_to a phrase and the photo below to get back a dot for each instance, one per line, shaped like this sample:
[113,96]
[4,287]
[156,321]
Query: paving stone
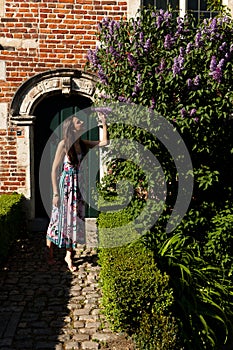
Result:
[72,345]
[81,337]
[90,345]
[46,307]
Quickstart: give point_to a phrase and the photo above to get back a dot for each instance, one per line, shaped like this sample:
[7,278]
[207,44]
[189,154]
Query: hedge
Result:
[136,296]
[11,221]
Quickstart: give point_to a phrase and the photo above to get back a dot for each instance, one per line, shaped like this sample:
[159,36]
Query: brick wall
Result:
[42,35]
[36,36]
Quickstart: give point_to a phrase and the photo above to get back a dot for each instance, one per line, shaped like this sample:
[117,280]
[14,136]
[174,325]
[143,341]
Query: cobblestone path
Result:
[47,307]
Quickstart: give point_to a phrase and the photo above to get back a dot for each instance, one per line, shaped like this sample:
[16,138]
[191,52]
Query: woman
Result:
[66,227]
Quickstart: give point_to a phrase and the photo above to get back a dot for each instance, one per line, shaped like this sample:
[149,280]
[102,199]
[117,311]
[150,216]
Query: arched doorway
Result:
[42,102]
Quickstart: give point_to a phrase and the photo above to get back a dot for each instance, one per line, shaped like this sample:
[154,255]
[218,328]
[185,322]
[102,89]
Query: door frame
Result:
[24,102]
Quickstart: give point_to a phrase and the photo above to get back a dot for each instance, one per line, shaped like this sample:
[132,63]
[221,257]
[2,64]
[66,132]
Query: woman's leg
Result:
[49,252]
[68,259]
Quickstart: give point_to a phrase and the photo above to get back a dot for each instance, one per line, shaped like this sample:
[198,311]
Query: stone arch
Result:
[31,92]
[26,99]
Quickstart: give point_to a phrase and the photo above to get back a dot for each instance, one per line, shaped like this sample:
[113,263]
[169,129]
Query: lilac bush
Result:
[183,71]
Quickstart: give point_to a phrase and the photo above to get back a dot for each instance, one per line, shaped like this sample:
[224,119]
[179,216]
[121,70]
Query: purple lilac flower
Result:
[104,110]
[196,119]
[213,63]
[159,19]
[153,15]
[217,75]
[213,24]
[141,37]
[227,56]
[176,66]
[92,57]
[223,46]
[168,42]
[180,25]
[179,62]
[221,63]
[196,80]
[182,51]
[113,52]
[162,65]
[101,75]
[111,27]
[105,21]
[188,48]
[122,99]
[198,41]
[167,15]
[132,61]
[189,83]
[192,112]
[153,103]
[183,112]
[147,45]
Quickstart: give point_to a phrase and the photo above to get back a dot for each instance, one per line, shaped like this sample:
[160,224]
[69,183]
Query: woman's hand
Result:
[55,200]
[102,118]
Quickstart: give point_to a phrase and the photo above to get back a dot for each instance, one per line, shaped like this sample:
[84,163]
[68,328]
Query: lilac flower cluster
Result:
[191,114]
[178,64]
[180,26]
[198,39]
[113,25]
[145,45]
[223,47]
[132,61]
[216,70]
[102,75]
[92,57]
[124,99]
[210,30]
[104,110]
[193,84]
[168,42]
[188,48]
[114,52]
[161,17]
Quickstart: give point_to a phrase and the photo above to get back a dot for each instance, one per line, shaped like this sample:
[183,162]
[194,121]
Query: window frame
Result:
[183,7]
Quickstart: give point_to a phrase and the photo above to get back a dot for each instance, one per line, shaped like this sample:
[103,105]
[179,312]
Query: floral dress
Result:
[67,225]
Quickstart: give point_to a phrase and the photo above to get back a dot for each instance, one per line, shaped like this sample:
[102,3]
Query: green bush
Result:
[11,221]
[136,296]
[183,71]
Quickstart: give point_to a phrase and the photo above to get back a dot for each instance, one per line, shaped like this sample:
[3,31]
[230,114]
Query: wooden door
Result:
[50,113]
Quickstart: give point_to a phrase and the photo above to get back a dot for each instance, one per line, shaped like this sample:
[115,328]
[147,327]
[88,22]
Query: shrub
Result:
[136,295]
[183,71]
[11,221]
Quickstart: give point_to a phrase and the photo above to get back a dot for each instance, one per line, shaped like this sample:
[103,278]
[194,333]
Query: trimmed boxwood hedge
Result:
[12,220]
[136,296]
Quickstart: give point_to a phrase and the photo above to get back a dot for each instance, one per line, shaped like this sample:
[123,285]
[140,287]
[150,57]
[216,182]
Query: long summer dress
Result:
[67,225]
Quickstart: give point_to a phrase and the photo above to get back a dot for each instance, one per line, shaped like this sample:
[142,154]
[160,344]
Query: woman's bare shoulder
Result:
[61,146]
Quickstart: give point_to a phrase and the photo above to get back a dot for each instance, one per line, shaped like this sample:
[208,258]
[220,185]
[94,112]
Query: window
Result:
[162,4]
[199,9]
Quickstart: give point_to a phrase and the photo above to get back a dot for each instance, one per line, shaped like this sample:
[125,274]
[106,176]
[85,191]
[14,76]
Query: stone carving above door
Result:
[36,88]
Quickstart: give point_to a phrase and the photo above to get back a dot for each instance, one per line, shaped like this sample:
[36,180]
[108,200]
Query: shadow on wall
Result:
[34,297]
